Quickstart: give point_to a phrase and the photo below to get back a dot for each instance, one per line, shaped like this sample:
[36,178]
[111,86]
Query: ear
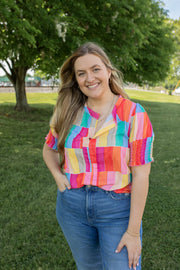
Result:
[109,72]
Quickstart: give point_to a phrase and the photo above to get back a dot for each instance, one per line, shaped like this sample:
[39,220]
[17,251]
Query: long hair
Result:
[71,99]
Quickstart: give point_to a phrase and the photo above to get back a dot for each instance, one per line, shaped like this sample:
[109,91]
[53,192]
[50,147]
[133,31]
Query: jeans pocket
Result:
[62,192]
[119,196]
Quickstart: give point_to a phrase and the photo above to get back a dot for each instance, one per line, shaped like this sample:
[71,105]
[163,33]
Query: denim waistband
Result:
[95,188]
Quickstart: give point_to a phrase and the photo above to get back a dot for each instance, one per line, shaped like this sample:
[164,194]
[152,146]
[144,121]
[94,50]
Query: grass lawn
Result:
[30,236]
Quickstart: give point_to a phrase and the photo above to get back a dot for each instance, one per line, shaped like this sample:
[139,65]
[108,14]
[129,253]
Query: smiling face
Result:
[92,76]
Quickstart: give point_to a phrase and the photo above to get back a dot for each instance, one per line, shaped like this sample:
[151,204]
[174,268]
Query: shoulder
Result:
[125,109]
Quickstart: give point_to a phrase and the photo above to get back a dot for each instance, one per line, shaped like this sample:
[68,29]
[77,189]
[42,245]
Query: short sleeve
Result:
[52,138]
[141,137]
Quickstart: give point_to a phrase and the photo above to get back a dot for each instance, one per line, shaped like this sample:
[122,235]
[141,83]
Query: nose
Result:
[89,77]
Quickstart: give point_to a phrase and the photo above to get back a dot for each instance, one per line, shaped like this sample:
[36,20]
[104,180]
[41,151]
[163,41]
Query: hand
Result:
[62,183]
[133,245]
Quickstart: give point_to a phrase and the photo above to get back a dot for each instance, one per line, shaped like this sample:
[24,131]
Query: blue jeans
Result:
[93,221]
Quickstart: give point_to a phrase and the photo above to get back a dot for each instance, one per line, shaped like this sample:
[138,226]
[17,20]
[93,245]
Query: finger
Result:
[136,262]
[62,188]
[119,247]
[67,185]
[130,257]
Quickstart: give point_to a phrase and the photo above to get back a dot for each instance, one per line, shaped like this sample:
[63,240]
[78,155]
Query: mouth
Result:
[93,86]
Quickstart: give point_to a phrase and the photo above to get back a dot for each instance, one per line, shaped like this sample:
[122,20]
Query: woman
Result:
[104,141]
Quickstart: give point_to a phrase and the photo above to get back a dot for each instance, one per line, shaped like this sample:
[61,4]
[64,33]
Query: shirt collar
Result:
[91,112]
[113,113]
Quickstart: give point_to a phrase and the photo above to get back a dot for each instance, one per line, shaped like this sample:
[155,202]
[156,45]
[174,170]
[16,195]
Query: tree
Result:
[174,74]
[27,32]
[41,34]
[136,34]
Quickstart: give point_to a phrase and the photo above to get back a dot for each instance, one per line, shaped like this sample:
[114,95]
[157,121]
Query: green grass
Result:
[30,236]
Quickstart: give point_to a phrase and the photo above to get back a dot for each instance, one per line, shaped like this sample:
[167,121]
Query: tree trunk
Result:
[19,85]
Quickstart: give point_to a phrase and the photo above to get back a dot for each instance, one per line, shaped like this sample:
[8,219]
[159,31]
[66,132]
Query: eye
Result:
[96,69]
[80,74]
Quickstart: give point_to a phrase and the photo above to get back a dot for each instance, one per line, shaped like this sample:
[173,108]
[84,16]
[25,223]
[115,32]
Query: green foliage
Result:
[135,34]
[41,34]
[30,235]
[27,30]
[174,74]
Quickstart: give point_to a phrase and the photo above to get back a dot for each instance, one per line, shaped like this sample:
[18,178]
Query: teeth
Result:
[92,86]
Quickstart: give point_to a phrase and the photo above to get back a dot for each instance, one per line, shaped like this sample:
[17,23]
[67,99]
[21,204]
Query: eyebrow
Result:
[80,70]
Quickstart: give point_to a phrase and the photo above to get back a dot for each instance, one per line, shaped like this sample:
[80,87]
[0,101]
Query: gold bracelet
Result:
[133,234]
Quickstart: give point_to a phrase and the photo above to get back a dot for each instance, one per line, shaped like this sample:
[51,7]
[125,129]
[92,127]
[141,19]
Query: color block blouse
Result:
[104,158]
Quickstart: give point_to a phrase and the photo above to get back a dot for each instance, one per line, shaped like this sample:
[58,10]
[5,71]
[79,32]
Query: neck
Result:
[99,105]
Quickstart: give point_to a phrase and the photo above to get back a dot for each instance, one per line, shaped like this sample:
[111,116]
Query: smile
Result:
[93,86]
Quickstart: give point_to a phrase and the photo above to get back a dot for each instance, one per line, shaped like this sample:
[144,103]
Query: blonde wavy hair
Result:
[71,99]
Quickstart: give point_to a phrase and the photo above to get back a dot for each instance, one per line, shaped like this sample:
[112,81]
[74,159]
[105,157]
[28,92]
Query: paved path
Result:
[41,89]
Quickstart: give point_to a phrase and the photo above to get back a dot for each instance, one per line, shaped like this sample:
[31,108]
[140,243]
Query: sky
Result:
[174,8]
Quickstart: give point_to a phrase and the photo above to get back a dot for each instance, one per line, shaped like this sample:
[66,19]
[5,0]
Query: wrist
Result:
[134,234]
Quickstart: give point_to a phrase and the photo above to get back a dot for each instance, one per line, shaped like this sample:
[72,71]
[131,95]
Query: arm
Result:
[51,158]
[131,238]
[140,185]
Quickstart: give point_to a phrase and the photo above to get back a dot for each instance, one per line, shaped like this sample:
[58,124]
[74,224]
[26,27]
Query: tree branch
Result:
[11,76]
[1,65]
[9,65]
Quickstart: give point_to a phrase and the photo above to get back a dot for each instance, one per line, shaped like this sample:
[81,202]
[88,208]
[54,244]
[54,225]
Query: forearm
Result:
[51,159]
[140,186]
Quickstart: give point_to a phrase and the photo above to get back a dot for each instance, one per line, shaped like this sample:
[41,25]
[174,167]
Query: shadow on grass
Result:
[38,112]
